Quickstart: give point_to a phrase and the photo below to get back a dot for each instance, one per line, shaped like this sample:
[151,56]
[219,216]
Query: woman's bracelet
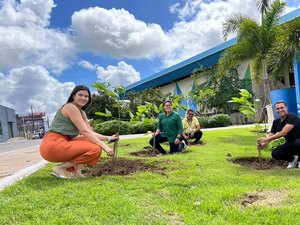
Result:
[108,139]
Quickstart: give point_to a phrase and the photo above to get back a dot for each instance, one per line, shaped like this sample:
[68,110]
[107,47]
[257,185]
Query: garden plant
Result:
[115,95]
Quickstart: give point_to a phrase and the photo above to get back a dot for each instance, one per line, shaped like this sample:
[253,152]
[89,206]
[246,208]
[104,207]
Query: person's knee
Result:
[151,141]
[96,151]
[275,154]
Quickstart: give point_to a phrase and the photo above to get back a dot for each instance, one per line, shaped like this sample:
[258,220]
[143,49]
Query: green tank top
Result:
[63,125]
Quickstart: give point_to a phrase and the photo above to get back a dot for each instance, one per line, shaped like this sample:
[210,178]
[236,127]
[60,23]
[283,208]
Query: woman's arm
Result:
[74,114]
[99,136]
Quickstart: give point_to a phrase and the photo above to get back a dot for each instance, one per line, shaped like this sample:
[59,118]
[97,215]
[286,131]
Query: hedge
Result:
[111,127]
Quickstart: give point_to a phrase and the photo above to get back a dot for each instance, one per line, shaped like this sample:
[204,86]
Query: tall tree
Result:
[254,42]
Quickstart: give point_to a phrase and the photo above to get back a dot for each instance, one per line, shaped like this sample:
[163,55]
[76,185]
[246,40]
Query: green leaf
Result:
[108,112]
[102,114]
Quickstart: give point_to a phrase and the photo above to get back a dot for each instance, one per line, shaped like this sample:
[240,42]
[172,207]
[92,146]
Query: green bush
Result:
[111,127]
[143,127]
[204,121]
[218,120]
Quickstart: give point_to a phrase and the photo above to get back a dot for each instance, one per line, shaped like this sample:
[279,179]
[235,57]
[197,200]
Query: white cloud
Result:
[25,40]
[26,13]
[201,26]
[117,33]
[33,86]
[87,65]
[123,74]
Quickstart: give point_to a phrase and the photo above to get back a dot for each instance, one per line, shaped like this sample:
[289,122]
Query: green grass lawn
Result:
[200,187]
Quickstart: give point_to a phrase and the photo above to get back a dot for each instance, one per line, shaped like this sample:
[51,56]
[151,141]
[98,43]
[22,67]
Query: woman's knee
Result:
[97,151]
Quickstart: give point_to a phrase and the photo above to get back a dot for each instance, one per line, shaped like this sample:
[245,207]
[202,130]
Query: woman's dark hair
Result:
[80,88]
[167,101]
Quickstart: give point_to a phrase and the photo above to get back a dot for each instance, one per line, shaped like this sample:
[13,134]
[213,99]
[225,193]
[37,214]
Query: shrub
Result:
[204,121]
[143,127]
[218,120]
[111,127]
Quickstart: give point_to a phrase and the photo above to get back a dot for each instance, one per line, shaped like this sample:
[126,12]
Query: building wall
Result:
[8,127]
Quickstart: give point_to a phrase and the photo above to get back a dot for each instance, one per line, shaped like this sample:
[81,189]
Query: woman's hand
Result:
[114,138]
[109,151]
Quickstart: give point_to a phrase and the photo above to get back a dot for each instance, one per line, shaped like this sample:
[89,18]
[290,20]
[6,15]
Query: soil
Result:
[253,163]
[123,167]
[267,198]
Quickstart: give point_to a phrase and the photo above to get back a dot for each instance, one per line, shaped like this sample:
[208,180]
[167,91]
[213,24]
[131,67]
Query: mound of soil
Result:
[122,167]
[149,152]
[253,163]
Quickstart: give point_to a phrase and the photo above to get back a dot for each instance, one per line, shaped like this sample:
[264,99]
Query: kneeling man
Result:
[287,126]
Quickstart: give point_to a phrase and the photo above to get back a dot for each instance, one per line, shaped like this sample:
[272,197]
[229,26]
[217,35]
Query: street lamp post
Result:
[32,122]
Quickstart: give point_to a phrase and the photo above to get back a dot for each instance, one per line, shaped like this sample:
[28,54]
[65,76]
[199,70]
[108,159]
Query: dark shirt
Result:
[290,119]
[170,126]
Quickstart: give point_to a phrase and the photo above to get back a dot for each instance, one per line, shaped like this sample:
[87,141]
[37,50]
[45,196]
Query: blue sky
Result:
[49,46]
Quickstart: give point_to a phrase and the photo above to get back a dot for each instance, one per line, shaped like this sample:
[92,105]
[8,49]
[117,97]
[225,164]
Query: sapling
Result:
[116,94]
[247,108]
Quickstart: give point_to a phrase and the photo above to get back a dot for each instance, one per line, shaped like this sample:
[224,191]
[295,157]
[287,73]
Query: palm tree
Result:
[286,50]
[254,42]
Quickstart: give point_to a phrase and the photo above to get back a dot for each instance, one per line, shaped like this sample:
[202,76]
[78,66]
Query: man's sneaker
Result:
[292,165]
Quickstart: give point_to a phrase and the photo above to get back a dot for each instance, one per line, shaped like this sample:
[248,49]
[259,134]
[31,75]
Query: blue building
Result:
[8,123]
[177,79]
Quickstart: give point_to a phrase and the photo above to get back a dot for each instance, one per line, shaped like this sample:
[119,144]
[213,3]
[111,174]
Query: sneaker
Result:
[292,165]
[184,144]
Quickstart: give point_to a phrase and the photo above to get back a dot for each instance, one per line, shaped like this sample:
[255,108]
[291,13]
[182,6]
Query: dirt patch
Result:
[253,163]
[149,152]
[265,198]
[123,167]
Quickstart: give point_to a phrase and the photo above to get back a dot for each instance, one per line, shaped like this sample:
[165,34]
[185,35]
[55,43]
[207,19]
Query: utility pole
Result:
[32,124]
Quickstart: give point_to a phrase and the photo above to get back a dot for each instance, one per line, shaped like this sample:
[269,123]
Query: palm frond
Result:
[262,6]
[292,36]
[273,14]
[232,24]
[241,51]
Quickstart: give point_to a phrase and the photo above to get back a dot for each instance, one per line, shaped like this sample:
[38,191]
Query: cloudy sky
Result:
[49,46]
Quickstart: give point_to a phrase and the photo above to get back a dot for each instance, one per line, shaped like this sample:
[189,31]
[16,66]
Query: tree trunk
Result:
[266,83]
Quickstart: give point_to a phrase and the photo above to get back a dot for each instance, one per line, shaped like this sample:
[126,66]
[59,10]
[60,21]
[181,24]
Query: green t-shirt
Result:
[170,126]
[63,125]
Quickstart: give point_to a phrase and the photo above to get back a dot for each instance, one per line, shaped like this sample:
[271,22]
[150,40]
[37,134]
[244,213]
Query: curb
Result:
[7,181]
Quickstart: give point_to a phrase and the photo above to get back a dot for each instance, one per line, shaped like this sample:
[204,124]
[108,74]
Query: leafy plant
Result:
[247,108]
[115,95]
[149,112]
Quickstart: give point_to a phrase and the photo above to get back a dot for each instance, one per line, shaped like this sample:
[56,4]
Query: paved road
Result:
[19,145]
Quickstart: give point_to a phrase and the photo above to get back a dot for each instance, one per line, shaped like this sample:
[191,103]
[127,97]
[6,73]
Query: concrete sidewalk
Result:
[18,164]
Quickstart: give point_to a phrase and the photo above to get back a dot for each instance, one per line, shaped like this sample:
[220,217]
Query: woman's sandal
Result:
[55,173]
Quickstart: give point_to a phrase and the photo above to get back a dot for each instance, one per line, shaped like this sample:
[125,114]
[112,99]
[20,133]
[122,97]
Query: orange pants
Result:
[56,147]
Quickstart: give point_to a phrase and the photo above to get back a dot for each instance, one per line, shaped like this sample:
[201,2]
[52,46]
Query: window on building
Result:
[1,133]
